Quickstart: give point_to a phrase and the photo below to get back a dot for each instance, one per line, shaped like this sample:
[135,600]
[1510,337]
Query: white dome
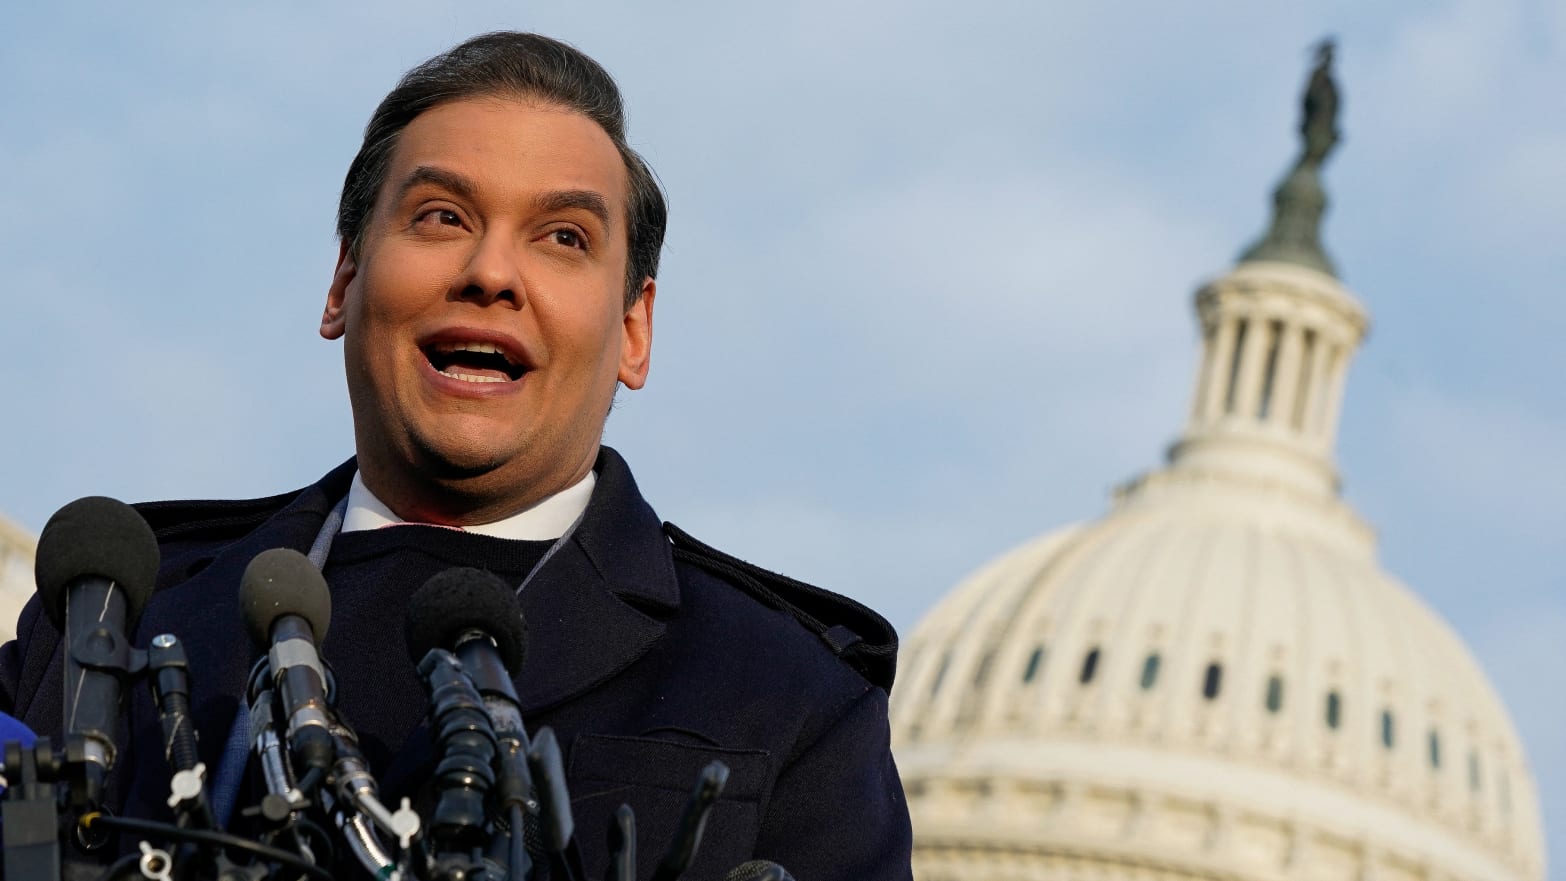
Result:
[1216,680]
[16,574]
[1200,591]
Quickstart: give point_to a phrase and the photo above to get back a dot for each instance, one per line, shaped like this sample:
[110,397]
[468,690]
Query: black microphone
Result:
[287,608]
[693,822]
[476,616]
[96,564]
[169,675]
[758,870]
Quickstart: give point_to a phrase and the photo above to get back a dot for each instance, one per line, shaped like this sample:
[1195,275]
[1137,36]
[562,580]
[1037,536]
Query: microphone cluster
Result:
[501,808]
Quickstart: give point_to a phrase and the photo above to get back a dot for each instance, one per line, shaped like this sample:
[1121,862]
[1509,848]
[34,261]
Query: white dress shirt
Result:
[546,519]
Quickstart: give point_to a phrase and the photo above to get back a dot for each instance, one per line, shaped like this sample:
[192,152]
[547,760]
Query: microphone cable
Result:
[207,837]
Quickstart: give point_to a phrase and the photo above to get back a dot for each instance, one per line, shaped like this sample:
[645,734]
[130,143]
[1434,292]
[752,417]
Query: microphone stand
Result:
[352,798]
[544,759]
[31,810]
[168,671]
[465,740]
[69,771]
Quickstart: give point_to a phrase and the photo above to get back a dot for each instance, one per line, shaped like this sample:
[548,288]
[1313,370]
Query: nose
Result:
[492,274]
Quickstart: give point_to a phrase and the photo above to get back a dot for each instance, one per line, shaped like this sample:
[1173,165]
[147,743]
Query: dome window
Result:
[1274,694]
[1435,749]
[1213,681]
[1150,672]
[1475,779]
[1089,666]
[1334,710]
[1388,729]
[1035,661]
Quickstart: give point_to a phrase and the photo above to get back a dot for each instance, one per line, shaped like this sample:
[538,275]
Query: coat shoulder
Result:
[853,632]
[191,532]
[209,519]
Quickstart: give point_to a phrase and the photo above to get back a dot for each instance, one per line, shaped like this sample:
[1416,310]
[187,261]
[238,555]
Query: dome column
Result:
[1316,392]
[1215,375]
[1286,380]
[1335,385]
[1245,395]
[1276,345]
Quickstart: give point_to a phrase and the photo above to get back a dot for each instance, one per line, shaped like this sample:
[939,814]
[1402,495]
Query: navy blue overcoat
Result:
[649,654]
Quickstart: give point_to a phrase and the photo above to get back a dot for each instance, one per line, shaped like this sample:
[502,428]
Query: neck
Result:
[463,500]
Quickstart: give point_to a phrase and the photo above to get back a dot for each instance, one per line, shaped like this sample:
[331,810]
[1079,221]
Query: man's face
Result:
[483,318]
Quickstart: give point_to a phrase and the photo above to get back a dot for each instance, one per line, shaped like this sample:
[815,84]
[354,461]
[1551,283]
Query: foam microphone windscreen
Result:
[280,582]
[457,601]
[12,728]
[96,536]
[758,870]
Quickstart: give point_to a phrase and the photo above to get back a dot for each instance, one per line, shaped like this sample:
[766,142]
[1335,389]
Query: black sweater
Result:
[372,574]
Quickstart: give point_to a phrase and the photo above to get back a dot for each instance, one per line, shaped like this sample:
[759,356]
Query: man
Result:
[495,284]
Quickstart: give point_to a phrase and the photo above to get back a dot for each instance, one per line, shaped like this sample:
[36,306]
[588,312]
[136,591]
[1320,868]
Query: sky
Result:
[927,286]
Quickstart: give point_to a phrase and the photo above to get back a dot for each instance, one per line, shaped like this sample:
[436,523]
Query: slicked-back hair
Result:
[525,66]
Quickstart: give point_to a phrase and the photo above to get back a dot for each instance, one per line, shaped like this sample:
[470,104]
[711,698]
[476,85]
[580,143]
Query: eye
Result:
[439,217]
[569,238]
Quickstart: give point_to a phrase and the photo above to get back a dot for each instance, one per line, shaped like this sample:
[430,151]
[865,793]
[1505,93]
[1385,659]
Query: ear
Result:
[636,338]
[334,317]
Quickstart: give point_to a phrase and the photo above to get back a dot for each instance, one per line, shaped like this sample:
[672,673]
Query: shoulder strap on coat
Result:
[215,520]
[853,632]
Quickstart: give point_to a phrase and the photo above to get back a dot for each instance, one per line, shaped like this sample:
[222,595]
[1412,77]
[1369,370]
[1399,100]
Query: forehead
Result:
[511,149]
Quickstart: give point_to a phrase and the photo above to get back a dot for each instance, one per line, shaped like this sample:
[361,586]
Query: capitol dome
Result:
[16,574]
[1217,680]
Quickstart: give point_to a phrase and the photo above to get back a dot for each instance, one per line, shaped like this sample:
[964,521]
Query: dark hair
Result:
[528,66]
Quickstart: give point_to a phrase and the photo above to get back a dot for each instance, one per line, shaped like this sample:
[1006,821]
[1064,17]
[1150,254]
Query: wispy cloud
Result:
[928,285]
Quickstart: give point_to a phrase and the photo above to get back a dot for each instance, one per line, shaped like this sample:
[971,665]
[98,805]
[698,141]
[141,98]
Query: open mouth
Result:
[473,362]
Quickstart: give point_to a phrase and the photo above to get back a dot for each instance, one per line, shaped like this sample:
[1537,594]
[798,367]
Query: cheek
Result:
[583,330]
[388,303]
[597,351]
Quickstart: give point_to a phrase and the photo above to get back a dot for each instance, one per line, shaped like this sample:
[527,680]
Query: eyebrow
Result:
[440,177]
[587,200]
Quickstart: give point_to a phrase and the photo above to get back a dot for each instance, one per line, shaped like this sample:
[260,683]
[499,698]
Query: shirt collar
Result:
[549,518]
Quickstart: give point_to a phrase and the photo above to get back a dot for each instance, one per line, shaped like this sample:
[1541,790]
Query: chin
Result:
[447,461]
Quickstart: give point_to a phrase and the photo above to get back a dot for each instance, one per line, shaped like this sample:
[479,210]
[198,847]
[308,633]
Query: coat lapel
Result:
[594,607]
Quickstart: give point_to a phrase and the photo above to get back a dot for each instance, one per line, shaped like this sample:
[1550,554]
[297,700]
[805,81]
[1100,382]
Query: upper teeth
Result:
[481,348]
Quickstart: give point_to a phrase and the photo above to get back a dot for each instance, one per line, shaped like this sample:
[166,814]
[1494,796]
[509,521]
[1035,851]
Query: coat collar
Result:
[623,538]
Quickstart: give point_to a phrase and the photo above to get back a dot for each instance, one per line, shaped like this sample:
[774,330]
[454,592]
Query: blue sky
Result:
[927,288]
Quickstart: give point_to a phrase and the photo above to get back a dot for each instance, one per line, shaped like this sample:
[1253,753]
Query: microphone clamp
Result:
[91,751]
